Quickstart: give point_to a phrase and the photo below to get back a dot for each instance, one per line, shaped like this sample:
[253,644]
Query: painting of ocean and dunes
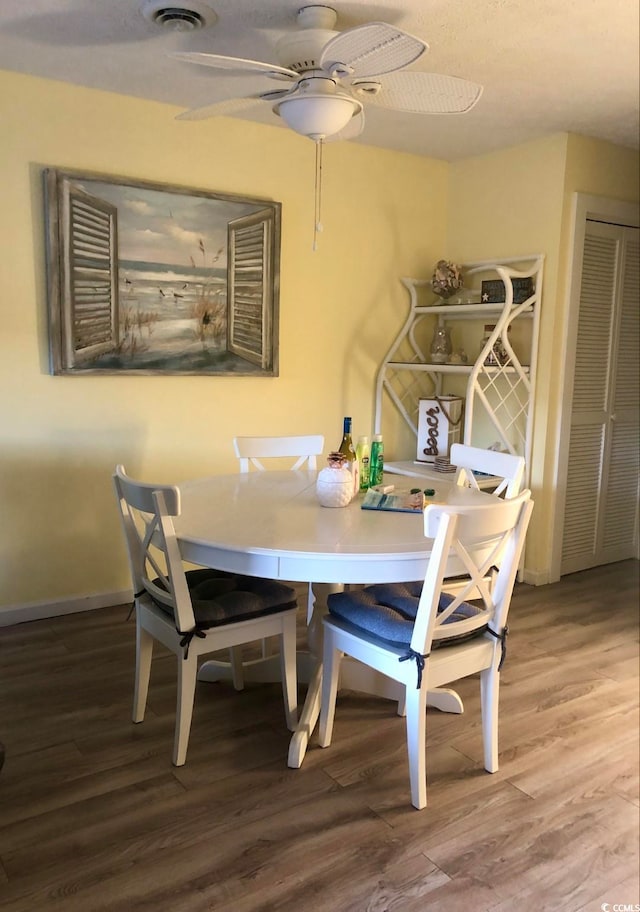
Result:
[153,279]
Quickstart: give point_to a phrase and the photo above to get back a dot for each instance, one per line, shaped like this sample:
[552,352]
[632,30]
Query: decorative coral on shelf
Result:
[446,279]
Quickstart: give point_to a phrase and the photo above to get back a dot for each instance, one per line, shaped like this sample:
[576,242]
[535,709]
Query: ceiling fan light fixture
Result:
[317,115]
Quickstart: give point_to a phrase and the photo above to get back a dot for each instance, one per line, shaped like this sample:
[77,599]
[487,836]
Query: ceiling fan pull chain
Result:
[317,227]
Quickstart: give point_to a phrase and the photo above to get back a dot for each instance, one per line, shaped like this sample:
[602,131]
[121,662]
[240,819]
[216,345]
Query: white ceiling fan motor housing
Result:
[301,50]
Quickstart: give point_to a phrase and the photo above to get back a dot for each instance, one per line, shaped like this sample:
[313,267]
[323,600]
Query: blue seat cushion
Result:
[388,612]
[221,598]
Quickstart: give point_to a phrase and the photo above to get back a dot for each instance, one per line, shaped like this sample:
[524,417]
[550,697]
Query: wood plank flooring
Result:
[94,818]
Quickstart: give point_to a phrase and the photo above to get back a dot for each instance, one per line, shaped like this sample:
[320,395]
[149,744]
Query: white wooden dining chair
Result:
[194,612]
[303,448]
[427,639]
[507,468]
[507,474]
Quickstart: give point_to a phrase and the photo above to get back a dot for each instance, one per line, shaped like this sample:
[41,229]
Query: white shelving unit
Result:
[497,396]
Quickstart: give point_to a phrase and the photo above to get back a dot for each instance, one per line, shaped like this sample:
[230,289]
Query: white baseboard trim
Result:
[36,611]
[536,578]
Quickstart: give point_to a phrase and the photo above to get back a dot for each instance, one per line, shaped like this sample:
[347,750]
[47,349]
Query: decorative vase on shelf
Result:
[334,486]
[441,346]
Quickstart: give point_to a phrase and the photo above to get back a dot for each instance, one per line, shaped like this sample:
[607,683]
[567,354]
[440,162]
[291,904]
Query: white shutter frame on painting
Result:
[250,288]
[91,260]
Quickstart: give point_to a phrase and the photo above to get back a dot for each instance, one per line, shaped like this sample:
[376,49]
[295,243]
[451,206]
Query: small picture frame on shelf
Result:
[493,291]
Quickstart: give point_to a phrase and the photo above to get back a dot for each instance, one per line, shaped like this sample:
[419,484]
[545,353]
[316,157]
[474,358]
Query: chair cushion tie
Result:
[419,660]
[503,640]
[136,595]
[197,631]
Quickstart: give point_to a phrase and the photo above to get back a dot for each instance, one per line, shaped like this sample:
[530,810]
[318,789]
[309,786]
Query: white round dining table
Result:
[270,524]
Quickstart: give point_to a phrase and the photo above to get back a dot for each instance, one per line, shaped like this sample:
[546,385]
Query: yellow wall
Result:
[339,307]
[385,215]
[518,201]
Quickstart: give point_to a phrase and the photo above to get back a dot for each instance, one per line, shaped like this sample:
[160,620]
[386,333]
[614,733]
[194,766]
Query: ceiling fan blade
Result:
[422,93]
[230,106]
[353,129]
[236,65]
[372,49]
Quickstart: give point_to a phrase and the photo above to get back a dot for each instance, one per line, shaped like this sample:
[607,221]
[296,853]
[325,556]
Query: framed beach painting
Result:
[146,278]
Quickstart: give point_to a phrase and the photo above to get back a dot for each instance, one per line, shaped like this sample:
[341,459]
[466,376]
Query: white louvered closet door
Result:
[601,510]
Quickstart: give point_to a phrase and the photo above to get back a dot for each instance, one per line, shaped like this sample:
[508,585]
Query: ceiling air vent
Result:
[179,18]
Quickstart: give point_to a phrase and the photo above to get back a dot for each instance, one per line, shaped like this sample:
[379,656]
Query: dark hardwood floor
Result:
[94,817]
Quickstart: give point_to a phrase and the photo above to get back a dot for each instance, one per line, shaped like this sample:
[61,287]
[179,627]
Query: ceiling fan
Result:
[332,75]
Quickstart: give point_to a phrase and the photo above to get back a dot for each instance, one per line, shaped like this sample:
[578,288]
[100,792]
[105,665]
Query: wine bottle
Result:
[348,451]
[363,455]
[377,461]
[346,447]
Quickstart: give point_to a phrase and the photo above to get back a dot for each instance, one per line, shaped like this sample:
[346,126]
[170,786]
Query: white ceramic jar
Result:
[334,485]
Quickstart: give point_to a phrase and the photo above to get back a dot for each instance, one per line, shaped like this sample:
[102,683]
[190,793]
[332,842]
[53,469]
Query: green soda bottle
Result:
[377,461]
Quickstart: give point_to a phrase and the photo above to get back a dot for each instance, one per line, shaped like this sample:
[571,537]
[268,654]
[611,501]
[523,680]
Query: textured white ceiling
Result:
[546,65]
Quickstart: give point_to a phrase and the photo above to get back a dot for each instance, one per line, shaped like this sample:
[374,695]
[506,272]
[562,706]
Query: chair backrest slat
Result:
[154,552]
[505,466]
[475,534]
[303,447]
